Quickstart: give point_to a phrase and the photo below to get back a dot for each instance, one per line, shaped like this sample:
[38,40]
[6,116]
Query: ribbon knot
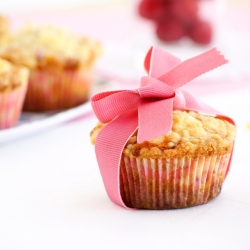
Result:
[148,108]
[153,88]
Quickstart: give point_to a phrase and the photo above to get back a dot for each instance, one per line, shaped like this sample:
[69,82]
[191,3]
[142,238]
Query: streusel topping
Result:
[192,135]
[11,76]
[50,47]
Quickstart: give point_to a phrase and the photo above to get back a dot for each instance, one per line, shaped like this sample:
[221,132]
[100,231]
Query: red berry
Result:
[170,31]
[201,32]
[150,9]
[185,10]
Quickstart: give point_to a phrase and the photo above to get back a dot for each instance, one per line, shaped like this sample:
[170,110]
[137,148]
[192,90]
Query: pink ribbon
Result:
[148,108]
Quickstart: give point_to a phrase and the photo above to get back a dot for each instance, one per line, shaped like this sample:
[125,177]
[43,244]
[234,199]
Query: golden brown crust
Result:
[94,132]
[11,76]
[192,135]
[51,48]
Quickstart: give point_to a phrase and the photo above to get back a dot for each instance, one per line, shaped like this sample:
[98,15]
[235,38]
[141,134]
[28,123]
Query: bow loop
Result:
[158,61]
[107,106]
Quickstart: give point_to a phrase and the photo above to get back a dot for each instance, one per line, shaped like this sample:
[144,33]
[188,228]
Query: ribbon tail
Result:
[192,68]
[193,103]
[108,148]
[158,123]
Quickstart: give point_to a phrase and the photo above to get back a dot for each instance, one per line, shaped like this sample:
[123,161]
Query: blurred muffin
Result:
[184,168]
[60,66]
[13,87]
[4,30]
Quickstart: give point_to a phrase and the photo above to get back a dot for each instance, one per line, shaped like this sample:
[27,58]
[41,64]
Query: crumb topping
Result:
[50,47]
[193,134]
[11,76]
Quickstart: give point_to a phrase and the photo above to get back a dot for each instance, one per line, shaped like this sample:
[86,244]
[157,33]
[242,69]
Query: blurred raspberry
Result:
[170,31]
[175,19]
[201,32]
[151,9]
[185,10]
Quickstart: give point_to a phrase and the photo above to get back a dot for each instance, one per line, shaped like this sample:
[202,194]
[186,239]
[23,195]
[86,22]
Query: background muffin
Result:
[184,168]
[13,86]
[60,66]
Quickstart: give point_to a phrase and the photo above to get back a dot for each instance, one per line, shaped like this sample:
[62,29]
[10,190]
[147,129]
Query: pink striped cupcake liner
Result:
[171,183]
[11,104]
[52,90]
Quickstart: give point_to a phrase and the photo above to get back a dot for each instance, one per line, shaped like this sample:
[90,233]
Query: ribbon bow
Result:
[148,108]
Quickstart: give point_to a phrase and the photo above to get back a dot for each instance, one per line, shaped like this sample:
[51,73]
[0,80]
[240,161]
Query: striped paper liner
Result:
[57,90]
[171,183]
[11,104]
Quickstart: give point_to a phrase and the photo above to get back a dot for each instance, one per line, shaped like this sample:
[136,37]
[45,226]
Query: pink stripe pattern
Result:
[172,183]
[11,104]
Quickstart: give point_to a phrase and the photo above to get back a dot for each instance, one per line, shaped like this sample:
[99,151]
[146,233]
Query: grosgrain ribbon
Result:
[148,108]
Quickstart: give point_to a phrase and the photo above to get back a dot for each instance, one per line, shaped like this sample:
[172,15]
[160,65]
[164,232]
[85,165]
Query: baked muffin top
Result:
[193,134]
[11,76]
[50,47]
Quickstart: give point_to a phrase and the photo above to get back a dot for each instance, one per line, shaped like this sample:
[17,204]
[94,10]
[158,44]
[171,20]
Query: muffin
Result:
[184,168]
[13,87]
[4,30]
[60,64]
[158,146]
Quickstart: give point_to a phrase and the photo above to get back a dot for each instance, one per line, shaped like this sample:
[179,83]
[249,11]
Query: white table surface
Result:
[52,195]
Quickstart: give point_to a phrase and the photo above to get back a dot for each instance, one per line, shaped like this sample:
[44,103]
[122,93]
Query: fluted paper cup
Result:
[11,104]
[171,183]
[57,90]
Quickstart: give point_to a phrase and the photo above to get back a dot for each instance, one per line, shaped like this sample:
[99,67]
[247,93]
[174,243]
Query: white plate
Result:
[30,123]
